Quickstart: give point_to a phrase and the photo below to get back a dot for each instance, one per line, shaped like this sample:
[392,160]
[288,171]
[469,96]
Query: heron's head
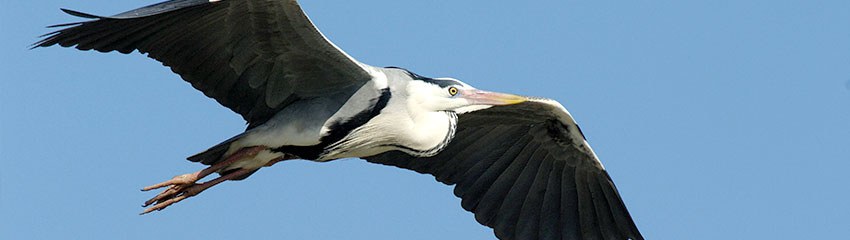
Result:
[448,94]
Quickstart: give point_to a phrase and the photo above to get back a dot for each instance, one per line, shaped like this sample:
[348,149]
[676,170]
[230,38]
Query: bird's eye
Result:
[453,91]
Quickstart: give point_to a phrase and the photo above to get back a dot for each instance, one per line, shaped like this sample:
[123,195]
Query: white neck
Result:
[403,125]
[428,130]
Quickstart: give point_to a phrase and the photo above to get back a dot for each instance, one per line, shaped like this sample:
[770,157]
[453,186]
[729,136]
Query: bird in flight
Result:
[520,164]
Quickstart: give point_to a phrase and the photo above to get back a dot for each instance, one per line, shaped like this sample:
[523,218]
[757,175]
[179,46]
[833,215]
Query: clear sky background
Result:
[720,119]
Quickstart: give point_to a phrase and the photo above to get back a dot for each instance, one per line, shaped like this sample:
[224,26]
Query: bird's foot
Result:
[178,189]
[183,186]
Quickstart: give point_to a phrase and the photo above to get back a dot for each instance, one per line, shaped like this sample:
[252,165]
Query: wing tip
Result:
[77,14]
[49,39]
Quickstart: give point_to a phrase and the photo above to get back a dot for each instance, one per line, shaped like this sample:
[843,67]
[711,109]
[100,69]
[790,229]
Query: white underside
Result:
[304,123]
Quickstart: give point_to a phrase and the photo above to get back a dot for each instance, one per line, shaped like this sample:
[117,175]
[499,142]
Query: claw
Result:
[164,204]
[177,193]
[165,194]
[174,194]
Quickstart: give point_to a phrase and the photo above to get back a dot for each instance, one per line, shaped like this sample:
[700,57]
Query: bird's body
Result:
[369,122]
[521,164]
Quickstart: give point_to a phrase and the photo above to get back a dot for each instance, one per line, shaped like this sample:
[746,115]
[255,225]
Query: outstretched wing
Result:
[252,56]
[526,171]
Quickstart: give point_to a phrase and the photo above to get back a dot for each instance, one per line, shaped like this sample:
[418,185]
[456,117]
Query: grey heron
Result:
[520,164]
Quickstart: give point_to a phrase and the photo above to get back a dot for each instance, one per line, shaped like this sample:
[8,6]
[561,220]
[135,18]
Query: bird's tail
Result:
[213,154]
[216,153]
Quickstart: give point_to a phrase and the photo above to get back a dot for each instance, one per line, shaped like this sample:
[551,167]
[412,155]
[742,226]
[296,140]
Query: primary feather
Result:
[521,164]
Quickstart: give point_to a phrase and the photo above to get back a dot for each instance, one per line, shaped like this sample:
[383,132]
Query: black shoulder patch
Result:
[340,129]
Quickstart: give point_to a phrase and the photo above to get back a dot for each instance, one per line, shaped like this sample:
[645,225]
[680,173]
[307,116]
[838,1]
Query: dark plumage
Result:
[525,187]
[521,164]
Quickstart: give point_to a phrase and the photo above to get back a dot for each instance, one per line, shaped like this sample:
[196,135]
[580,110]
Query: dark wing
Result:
[252,56]
[526,171]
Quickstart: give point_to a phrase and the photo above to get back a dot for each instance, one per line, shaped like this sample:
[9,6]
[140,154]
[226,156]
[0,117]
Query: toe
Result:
[184,179]
[165,194]
[164,204]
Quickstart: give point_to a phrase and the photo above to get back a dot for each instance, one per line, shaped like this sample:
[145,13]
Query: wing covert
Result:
[526,171]
[252,56]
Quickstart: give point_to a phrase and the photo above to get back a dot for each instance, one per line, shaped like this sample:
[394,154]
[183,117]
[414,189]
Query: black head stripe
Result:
[412,75]
[439,82]
[442,82]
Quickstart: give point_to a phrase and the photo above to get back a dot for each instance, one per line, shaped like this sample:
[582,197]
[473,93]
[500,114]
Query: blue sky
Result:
[716,120]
